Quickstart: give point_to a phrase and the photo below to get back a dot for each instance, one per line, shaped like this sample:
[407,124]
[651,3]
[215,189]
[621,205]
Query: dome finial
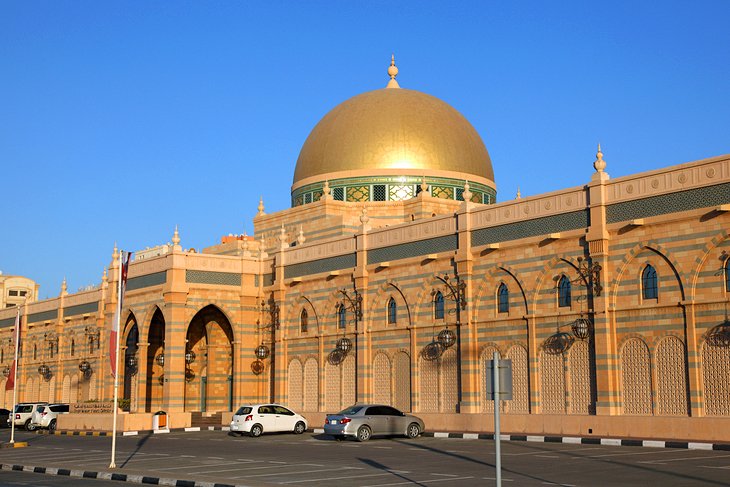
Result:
[599,164]
[261,206]
[392,72]
[519,194]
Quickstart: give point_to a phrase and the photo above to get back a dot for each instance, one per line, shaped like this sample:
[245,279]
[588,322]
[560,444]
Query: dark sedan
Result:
[4,418]
[362,421]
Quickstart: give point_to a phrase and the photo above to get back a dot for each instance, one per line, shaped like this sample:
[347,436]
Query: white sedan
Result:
[267,418]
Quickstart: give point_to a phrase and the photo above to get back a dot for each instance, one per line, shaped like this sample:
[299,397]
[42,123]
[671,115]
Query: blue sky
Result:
[120,120]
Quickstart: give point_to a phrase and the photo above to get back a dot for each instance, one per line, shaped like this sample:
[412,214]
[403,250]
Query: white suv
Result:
[45,416]
[23,412]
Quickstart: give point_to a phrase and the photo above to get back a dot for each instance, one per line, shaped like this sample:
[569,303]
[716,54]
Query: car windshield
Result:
[350,410]
[243,410]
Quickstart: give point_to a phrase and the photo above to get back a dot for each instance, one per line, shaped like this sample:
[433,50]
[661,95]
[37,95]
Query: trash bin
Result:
[159,420]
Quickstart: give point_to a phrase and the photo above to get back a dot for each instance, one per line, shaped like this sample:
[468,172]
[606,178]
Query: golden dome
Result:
[393,131]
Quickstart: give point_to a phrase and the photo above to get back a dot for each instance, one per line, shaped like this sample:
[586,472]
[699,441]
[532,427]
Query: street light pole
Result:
[457,294]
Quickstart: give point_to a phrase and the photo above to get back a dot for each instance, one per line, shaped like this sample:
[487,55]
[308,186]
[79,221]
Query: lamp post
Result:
[456,292]
[263,351]
[352,304]
[589,276]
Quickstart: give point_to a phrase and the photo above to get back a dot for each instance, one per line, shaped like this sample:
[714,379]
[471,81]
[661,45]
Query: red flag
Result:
[113,345]
[10,384]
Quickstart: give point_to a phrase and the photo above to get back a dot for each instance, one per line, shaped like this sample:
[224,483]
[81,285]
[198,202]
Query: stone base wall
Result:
[125,421]
[638,427]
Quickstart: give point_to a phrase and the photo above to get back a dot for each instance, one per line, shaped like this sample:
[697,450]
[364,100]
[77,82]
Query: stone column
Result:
[176,324]
[604,333]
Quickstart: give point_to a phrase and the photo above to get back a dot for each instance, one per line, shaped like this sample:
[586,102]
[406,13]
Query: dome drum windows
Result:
[392,188]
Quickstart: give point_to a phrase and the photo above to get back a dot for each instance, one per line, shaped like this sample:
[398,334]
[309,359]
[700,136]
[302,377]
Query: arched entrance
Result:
[209,362]
[155,362]
[130,365]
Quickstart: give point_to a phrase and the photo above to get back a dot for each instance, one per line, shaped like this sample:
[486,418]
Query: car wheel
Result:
[29,426]
[299,428]
[256,430]
[363,433]
[413,430]
[52,425]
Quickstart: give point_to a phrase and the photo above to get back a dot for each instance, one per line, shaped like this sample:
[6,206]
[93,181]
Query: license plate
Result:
[333,421]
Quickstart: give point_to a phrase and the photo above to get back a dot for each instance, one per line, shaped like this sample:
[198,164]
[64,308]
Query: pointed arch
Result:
[636,378]
[487,293]
[209,337]
[629,260]
[381,379]
[295,385]
[715,373]
[486,355]
[311,385]
[671,375]
[402,381]
[520,402]
[155,372]
[311,313]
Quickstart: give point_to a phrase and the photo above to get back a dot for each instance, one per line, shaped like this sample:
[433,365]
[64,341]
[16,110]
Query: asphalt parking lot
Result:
[316,459]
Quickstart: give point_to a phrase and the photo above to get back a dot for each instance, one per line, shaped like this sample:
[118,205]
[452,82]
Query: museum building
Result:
[396,275]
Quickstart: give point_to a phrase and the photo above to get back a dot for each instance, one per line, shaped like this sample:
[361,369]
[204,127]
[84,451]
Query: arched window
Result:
[503,298]
[50,349]
[727,275]
[73,347]
[438,306]
[564,292]
[392,311]
[649,285]
[342,317]
[91,344]
[303,321]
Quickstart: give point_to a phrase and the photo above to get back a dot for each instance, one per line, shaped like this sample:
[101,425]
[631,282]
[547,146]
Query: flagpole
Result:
[118,317]
[15,376]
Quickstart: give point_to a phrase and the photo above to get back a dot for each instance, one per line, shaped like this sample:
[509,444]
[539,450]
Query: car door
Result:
[396,420]
[267,418]
[376,420]
[285,419]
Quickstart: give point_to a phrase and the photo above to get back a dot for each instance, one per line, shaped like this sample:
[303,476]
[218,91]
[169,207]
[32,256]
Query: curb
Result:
[122,477]
[686,445]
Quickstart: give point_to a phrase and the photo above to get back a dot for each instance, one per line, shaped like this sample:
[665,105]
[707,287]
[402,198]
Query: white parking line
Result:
[326,479]
[246,469]
[727,467]
[295,473]
[418,482]
[664,460]
[194,466]
[651,452]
